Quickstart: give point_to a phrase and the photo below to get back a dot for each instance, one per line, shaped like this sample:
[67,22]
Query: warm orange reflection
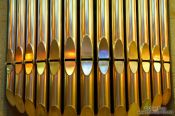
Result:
[29,56]
[70,54]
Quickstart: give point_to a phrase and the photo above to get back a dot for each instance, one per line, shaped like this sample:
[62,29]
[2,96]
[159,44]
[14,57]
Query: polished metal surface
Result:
[10,83]
[119,58]
[132,58]
[70,57]
[19,56]
[42,54]
[165,56]
[87,57]
[83,57]
[103,70]
[144,50]
[30,55]
[155,56]
[55,57]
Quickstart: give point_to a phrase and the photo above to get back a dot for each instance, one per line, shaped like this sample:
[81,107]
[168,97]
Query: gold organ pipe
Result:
[55,57]
[166,84]
[70,57]
[155,56]
[42,53]
[30,56]
[103,70]
[19,57]
[144,55]
[86,56]
[132,57]
[10,84]
[118,53]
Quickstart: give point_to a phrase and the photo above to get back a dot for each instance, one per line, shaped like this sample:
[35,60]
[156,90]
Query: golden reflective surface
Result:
[54,50]
[119,88]
[19,54]
[41,51]
[119,50]
[86,48]
[70,51]
[55,89]
[10,97]
[87,111]
[54,111]
[132,51]
[41,91]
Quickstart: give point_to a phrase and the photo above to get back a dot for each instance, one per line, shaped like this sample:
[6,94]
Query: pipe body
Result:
[30,55]
[145,61]
[42,55]
[70,57]
[132,57]
[103,57]
[55,57]
[118,58]
[10,83]
[19,56]
[165,55]
[155,54]
[87,57]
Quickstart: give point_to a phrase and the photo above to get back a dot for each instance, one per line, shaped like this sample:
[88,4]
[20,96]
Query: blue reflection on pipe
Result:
[103,54]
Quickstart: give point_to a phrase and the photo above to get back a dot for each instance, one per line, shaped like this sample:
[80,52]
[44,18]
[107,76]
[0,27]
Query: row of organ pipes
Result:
[140,56]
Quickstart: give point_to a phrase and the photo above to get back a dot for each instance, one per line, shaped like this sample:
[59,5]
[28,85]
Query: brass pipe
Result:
[86,57]
[166,84]
[155,56]
[103,70]
[42,53]
[144,55]
[132,57]
[70,57]
[119,58]
[10,84]
[19,56]
[30,56]
[55,57]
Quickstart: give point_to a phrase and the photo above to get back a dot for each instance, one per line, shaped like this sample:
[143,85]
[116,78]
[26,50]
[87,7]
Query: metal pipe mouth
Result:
[70,67]
[86,67]
[86,47]
[70,52]
[146,66]
[145,54]
[103,66]
[118,50]
[19,54]
[119,66]
[132,54]
[10,56]
[28,68]
[165,54]
[54,67]
[54,50]
[18,68]
[29,55]
[103,52]
[157,66]
[133,66]
[41,53]
[156,53]
[41,67]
